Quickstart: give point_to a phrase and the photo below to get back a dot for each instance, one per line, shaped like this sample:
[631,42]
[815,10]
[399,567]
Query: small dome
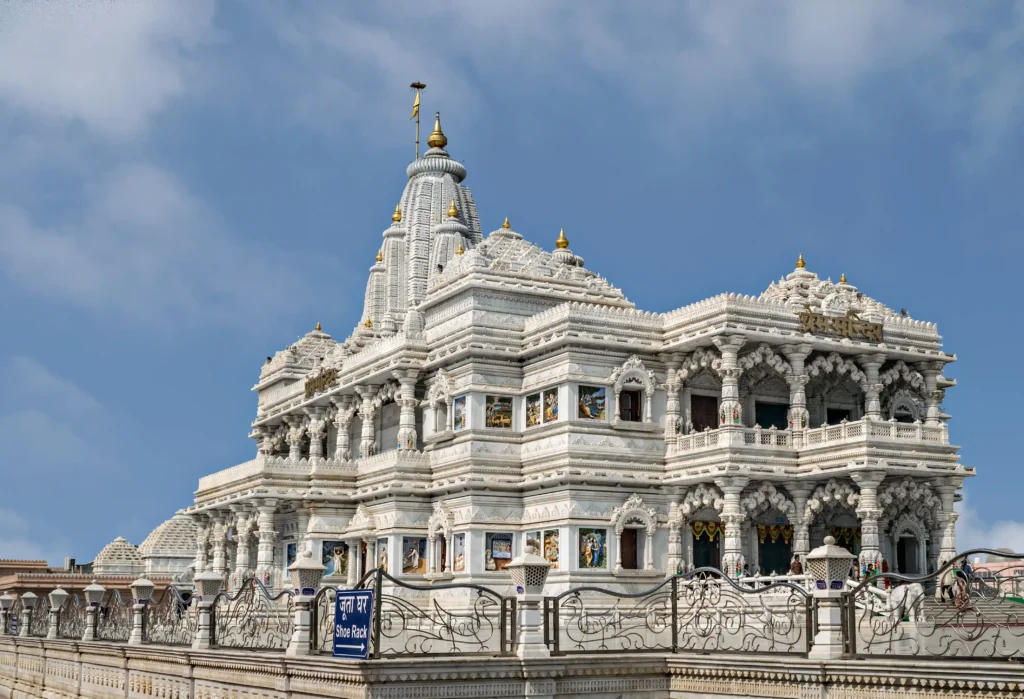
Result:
[174,538]
[118,558]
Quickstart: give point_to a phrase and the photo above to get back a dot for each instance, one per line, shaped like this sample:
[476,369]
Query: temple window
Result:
[703,412]
[771,415]
[630,406]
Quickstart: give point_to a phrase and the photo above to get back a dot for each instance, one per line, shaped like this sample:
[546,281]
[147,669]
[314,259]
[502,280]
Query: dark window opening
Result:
[771,415]
[628,552]
[629,406]
[836,415]
[904,417]
[703,412]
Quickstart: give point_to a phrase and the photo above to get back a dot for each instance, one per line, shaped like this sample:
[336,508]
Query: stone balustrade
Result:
[862,430]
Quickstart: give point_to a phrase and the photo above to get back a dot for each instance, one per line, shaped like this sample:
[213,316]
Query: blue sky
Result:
[187,187]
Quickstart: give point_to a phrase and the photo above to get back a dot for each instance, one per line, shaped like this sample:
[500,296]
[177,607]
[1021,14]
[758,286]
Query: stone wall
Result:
[42,669]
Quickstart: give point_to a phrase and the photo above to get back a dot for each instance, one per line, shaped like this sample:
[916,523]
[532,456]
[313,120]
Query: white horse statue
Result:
[907,600]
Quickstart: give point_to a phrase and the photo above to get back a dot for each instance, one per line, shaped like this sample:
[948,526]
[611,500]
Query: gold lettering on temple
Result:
[321,382]
[849,325]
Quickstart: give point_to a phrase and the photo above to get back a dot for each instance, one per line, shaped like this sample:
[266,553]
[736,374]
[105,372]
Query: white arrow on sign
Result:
[361,646]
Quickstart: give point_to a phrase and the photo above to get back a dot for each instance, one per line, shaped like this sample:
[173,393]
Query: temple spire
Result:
[437,139]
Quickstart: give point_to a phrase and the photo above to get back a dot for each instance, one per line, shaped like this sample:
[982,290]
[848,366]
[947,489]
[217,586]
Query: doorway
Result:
[836,415]
[907,556]
[628,552]
[774,557]
[704,412]
[769,415]
[707,552]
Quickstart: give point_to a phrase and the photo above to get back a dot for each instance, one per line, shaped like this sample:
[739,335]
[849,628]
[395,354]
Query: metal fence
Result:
[170,619]
[39,621]
[71,619]
[252,618]
[435,620]
[114,618]
[952,613]
[703,611]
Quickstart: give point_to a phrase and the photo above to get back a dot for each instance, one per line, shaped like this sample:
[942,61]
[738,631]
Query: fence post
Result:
[208,586]
[829,566]
[29,602]
[675,613]
[306,575]
[375,633]
[6,602]
[57,598]
[529,572]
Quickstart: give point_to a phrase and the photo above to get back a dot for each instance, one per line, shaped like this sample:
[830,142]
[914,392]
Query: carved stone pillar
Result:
[800,493]
[947,493]
[432,566]
[355,570]
[649,547]
[371,554]
[732,517]
[730,411]
[931,371]
[673,421]
[367,412]
[872,388]
[798,416]
[869,513]
[303,515]
[267,538]
[219,541]
[202,542]
[317,430]
[344,412]
[675,539]
[266,439]
[244,524]
[406,400]
[296,432]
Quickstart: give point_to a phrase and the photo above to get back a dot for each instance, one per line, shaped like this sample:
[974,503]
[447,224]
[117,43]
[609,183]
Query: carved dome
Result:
[174,538]
[802,287]
[118,558]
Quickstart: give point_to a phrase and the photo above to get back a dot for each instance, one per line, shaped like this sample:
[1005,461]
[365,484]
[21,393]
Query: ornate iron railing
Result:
[408,619]
[171,619]
[39,623]
[252,618]
[114,618]
[950,613]
[702,611]
[71,620]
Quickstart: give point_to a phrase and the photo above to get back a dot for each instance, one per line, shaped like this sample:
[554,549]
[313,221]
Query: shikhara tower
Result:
[493,393]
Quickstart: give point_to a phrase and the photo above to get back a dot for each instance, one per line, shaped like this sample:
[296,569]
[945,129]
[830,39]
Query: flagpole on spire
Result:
[416,113]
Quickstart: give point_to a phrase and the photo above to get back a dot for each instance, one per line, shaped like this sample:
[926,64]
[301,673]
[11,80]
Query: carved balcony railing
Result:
[825,436]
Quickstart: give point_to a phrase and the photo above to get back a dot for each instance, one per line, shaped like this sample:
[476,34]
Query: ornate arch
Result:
[441,521]
[829,496]
[903,399]
[836,364]
[440,390]
[633,373]
[765,356]
[632,511]
[764,497]
[909,522]
[387,393]
[900,370]
[700,498]
[907,495]
[702,358]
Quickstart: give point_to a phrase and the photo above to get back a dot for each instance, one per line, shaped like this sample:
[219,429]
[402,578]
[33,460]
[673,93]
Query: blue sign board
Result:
[13,630]
[353,611]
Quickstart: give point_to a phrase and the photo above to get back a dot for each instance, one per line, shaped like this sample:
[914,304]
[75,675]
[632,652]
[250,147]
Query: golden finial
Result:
[800,264]
[318,326]
[368,323]
[397,216]
[562,243]
[380,256]
[506,225]
[437,139]
[842,278]
[453,211]
[459,250]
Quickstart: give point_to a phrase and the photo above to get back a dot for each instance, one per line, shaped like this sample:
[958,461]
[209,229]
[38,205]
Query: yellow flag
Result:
[416,106]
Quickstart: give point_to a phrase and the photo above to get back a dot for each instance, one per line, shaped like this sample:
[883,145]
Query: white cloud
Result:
[148,249]
[109,65]
[687,63]
[972,532]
